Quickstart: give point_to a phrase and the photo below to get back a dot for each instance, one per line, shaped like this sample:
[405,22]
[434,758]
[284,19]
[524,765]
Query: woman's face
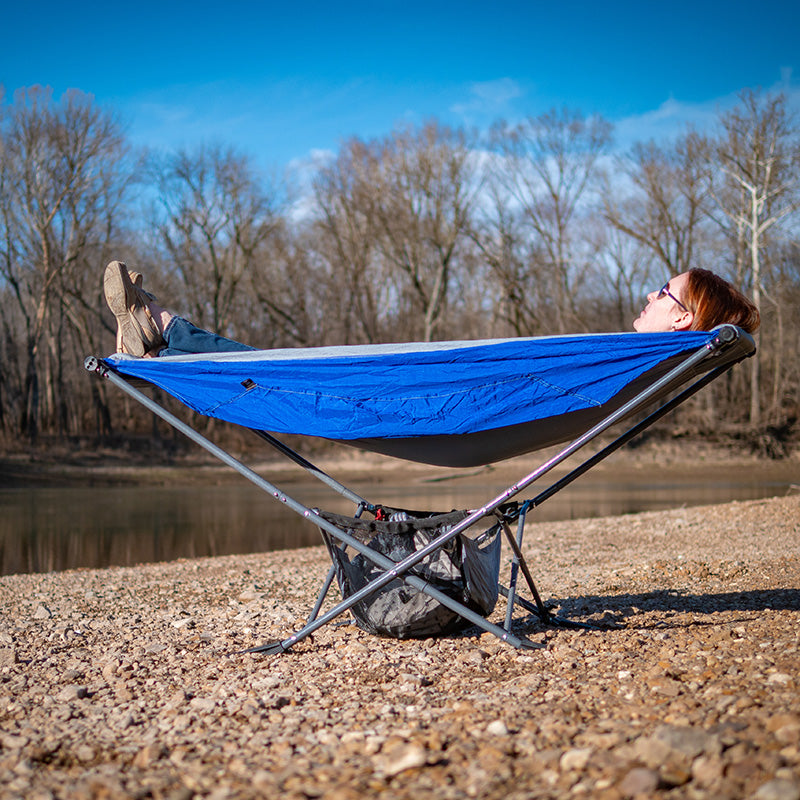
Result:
[662,312]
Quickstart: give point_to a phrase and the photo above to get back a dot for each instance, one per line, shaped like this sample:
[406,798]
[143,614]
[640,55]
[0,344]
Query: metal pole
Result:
[314,470]
[323,592]
[512,582]
[628,435]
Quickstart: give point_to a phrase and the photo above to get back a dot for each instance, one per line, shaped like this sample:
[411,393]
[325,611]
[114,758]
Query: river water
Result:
[45,529]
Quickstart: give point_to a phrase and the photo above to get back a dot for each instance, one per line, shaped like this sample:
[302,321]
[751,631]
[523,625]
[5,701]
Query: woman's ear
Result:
[683,322]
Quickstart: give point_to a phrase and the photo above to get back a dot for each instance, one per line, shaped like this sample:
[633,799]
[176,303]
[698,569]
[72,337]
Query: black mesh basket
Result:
[466,569]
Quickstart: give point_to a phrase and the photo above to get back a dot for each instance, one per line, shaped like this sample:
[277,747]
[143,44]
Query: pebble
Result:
[400,758]
[72,693]
[497,728]
[639,781]
[779,789]
[131,682]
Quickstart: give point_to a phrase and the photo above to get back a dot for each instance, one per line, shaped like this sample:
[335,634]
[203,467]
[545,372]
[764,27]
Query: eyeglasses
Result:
[664,290]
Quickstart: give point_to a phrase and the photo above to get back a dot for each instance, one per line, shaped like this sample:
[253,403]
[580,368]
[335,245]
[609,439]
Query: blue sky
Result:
[281,81]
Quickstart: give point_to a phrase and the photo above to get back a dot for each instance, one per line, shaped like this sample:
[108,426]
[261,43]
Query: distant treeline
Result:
[535,227]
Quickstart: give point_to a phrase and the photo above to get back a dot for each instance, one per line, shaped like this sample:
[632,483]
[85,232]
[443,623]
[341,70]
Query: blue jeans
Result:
[182,338]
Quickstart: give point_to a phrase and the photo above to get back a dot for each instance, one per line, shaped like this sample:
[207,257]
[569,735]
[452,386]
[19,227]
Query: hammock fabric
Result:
[484,392]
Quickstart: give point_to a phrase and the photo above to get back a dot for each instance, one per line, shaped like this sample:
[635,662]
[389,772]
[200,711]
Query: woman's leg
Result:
[181,338]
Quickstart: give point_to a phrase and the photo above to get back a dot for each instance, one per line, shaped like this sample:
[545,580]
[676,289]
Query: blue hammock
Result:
[454,404]
[449,403]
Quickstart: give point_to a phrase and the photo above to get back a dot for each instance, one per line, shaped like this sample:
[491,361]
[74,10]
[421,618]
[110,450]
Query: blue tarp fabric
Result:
[397,391]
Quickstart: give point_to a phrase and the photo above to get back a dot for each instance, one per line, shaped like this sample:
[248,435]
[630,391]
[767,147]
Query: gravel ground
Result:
[125,682]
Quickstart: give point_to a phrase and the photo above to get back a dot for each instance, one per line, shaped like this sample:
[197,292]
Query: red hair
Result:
[714,301]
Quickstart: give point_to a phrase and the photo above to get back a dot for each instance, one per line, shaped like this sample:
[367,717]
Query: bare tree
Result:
[63,176]
[515,262]
[665,207]
[288,301]
[757,188]
[213,218]
[783,296]
[425,187]
[628,276]
[547,168]
[655,210]
[346,233]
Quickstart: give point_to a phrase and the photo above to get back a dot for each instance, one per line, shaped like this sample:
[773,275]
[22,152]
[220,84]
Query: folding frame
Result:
[726,347]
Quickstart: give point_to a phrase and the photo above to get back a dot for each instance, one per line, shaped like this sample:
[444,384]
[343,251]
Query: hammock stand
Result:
[719,351]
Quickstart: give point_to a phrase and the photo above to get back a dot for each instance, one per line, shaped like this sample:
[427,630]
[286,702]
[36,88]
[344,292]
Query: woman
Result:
[697,300]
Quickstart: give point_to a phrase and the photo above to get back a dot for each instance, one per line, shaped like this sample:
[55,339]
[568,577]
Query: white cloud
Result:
[489,98]
[667,121]
[673,117]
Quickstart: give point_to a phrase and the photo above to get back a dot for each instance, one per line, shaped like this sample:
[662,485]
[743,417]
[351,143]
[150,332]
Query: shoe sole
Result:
[121,298]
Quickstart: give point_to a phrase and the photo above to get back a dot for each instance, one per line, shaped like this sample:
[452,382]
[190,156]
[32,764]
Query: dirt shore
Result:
[108,467]
[125,682]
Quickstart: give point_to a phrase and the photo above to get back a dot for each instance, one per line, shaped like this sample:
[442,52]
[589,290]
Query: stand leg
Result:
[323,592]
[512,583]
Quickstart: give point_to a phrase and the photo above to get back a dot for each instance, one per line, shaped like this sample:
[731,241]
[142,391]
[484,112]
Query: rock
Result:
[40,794]
[110,668]
[779,789]
[73,692]
[123,722]
[707,769]
[42,612]
[639,781]
[497,728]
[786,728]
[148,755]
[402,757]
[84,753]
[343,793]
[203,704]
[8,656]
[675,773]
[575,759]
[671,742]
[10,741]
[472,657]
[181,793]
[665,686]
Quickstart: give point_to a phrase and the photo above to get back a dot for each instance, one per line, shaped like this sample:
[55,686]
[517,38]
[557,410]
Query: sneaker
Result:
[136,280]
[137,332]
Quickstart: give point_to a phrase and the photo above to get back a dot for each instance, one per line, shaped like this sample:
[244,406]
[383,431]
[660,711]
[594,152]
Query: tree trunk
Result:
[30,407]
[755,361]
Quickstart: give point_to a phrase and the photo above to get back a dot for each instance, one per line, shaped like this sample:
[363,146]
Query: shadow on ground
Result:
[629,610]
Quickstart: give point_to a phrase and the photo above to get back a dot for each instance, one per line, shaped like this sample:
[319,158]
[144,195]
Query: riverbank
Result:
[63,467]
[124,682]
